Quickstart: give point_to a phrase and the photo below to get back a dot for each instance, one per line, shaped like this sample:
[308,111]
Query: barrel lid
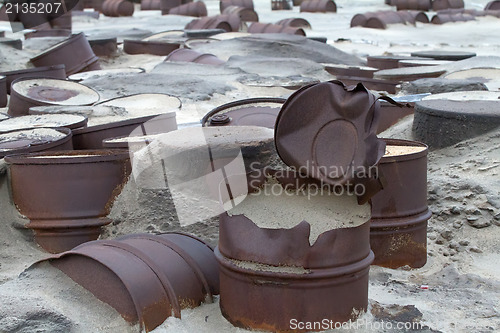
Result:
[327,132]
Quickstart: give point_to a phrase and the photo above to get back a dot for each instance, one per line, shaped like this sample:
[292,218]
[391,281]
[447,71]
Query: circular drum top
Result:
[473,104]
[444,55]
[47,120]
[327,131]
[103,72]
[30,139]
[56,92]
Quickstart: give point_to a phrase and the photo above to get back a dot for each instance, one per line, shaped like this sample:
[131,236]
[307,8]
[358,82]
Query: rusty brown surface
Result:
[492,5]
[67,199]
[321,6]
[388,62]
[75,53]
[51,72]
[438,5]
[145,277]
[346,118]
[115,8]
[413,4]
[400,241]
[229,23]
[239,3]
[104,47]
[350,71]
[241,239]
[265,300]
[150,5]
[390,114]
[161,48]
[28,146]
[48,33]
[258,27]
[399,212]
[295,22]
[245,14]
[43,95]
[196,9]
[450,18]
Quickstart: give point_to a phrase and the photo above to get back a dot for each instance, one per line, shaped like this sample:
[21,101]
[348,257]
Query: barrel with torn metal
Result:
[146,278]
[292,249]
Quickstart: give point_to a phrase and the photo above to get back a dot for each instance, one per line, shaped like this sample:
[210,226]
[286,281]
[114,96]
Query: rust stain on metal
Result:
[347,120]
[75,53]
[314,6]
[196,9]
[145,277]
[258,27]
[398,233]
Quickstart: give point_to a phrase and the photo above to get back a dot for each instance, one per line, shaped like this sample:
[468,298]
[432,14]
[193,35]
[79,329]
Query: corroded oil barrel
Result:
[414,4]
[239,3]
[318,6]
[196,9]
[398,230]
[257,27]
[145,277]
[117,8]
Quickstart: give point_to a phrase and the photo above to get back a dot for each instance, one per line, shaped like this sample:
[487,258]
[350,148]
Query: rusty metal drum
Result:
[398,230]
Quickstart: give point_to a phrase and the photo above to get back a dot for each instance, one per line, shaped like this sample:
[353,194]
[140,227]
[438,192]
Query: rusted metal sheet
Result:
[188,55]
[259,28]
[343,70]
[146,278]
[104,47]
[380,19]
[398,234]
[196,9]
[447,18]
[117,8]
[247,112]
[245,14]
[413,4]
[321,6]
[239,3]
[160,48]
[64,21]
[492,5]
[348,120]
[150,5]
[295,22]
[75,53]
[229,23]
[43,92]
[438,5]
[259,297]
[65,216]
[388,62]
[166,5]
[20,144]
[370,83]
[48,33]
[51,72]
[261,300]
[3,91]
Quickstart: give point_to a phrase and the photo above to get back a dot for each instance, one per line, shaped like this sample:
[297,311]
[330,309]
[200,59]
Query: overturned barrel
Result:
[145,277]
[117,8]
[196,9]
[398,227]
[258,27]
[318,6]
